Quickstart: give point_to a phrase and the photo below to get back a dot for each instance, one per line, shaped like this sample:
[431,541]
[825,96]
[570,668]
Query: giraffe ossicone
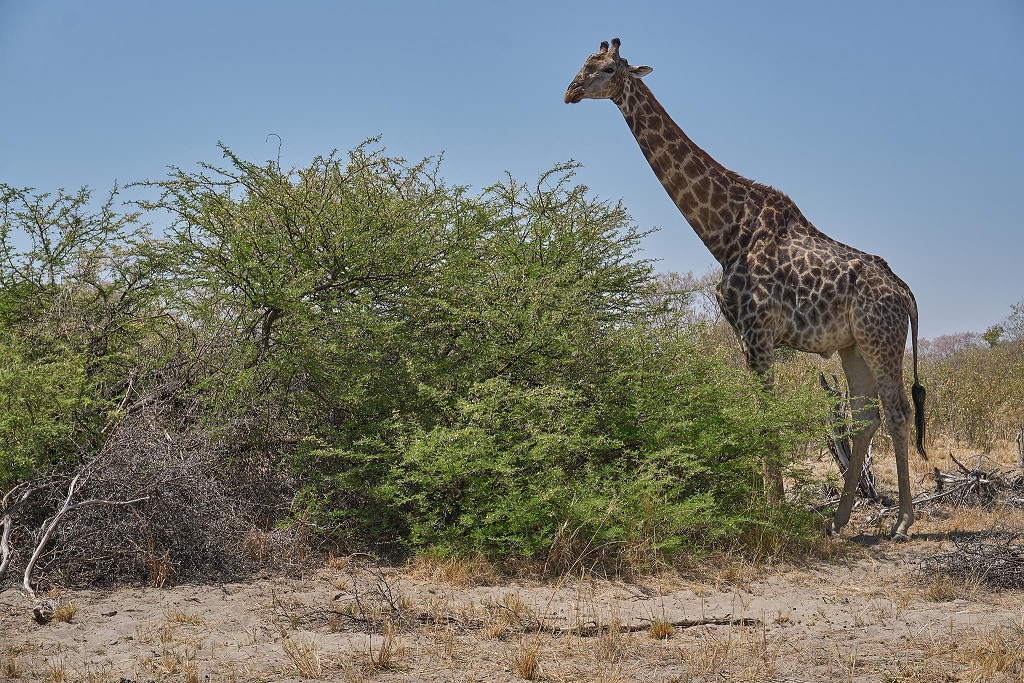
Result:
[784,282]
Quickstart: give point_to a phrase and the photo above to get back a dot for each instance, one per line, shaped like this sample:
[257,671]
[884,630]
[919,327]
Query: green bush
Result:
[76,322]
[43,399]
[483,374]
[438,370]
[662,457]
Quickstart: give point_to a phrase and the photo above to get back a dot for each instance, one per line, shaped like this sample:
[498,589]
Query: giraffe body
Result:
[784,282]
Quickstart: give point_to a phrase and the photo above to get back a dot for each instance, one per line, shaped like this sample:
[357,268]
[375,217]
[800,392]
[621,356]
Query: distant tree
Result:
[947,345]
[993,335]
[1014,323]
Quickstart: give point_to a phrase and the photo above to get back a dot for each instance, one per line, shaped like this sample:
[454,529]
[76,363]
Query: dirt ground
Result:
[863,610]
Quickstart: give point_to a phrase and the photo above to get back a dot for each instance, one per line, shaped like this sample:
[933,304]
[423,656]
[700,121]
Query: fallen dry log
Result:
[588,629]
[591,629]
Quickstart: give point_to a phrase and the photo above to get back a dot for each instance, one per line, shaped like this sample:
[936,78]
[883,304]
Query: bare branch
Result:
[51,524]
[7,521]
[1019,440]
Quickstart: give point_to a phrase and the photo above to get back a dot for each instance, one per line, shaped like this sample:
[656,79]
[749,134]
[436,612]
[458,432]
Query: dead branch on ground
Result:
[373,597]
[996,563]
[967,487]
[587,629]
[591,629]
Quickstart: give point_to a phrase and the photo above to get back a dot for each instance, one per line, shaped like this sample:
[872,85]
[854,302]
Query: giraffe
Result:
[784,283]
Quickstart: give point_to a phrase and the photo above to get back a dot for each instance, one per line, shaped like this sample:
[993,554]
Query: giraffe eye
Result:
[609,70]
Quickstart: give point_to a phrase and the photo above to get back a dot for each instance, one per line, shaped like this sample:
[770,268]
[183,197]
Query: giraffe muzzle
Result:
[574,93]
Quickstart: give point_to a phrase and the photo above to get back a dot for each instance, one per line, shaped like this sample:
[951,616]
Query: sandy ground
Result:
[866,614]
[862,609]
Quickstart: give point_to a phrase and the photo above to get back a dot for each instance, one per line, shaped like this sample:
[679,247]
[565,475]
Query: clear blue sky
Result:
[896,126]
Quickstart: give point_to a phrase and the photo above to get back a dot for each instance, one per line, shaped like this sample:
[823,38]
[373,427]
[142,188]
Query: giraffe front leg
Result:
[760,356]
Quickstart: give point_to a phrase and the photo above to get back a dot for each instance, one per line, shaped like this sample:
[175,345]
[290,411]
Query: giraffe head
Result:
[603,75]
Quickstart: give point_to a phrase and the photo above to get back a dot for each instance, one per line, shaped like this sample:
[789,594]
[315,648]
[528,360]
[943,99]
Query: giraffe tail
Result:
[917,391]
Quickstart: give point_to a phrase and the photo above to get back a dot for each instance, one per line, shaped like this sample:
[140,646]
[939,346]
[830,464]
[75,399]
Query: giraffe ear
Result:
[639,71]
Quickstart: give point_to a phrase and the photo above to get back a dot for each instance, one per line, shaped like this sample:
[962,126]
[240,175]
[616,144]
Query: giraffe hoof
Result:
[901,530]
[833,529]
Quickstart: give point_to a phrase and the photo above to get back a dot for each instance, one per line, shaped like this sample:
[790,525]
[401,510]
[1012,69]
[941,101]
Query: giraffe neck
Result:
[699,185]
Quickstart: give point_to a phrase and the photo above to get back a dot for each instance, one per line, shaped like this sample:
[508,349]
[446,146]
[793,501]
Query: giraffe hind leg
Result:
[897,413]
[863,396]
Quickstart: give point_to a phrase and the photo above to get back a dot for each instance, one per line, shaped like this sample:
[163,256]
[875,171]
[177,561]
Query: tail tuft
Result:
[917,392]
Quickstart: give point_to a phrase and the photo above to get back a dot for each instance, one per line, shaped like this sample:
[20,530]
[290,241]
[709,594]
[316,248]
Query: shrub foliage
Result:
[428,368]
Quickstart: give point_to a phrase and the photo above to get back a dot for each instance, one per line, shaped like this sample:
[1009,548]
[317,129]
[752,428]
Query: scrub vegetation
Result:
[357,356]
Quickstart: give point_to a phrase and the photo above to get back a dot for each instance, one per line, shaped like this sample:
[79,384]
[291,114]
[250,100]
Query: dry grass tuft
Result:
[304,656]
[738,654]
[509,614]
[158,565]
[180,617]
[256,545]
[447,639]
[996,651]
[463,572]
[610,645]
[941,588]
[661,629]
[58,672]
[495,629]
[172,656]
[337,563]
[64,612]
[384,658]
[914,672]
[517,610]
[525,663]
[709,656]
[190,668]
[11,667]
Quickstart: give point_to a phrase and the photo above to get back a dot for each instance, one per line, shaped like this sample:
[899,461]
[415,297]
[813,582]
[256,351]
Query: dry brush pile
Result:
[161,502]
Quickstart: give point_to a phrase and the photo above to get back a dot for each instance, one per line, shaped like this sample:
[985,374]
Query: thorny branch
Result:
[997,563]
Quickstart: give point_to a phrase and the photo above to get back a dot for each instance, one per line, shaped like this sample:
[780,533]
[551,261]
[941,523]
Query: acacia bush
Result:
[77,320]
[423,368]
[469,373]
[96,379]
